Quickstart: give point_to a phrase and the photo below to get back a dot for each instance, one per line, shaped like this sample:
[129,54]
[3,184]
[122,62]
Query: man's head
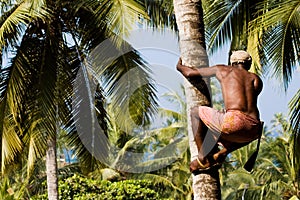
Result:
[241,57]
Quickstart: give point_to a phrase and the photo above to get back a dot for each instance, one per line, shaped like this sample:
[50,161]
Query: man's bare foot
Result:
[200,165]
[220,156]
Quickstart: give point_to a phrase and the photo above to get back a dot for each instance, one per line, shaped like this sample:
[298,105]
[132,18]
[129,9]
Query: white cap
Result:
[240,56]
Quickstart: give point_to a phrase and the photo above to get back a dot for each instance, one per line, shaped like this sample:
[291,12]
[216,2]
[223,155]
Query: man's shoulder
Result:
[223,68]
[223,71]
[255,76]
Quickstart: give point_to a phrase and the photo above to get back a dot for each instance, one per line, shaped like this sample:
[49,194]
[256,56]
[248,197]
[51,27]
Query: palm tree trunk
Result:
[189,18]
[51,168]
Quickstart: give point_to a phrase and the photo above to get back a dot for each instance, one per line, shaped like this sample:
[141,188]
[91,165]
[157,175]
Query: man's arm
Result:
[258,84]
[190,72]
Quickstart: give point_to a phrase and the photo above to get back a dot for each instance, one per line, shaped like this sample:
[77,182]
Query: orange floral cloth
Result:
[233,125]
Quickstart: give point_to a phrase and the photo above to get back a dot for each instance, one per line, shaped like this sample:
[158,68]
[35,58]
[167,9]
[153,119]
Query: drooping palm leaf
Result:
[228,21]
[158,179]
[280,23]
[161,13]
[295,112]
[126,79]
[294,106]
[15,17]
[121,15]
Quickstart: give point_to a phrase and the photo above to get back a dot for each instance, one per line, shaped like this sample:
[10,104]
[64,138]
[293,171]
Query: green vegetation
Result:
[276,173]
[81,188]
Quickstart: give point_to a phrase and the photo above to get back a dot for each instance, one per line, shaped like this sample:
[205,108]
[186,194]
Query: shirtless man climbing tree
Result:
[239,124]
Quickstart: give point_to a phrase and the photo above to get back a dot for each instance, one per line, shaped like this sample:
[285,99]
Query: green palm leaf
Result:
[121,15]
[11,145]
[228,21]
[294,107]
[15,17]
[158,179]
[126,79]
[280,39]
[161,13]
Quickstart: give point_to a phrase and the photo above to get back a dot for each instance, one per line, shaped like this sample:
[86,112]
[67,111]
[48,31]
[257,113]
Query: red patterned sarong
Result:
[233,125]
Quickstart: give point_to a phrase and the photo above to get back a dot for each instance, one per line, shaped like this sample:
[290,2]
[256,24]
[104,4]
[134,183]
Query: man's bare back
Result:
[240,89]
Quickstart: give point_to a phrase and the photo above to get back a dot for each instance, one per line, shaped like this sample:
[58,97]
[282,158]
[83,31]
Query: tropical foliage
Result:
[173,136]
[276,174]
[47,43]
[81,188]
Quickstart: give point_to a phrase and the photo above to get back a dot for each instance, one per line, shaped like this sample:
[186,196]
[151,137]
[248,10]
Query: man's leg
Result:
[228,147]
[200,133]
[199,130]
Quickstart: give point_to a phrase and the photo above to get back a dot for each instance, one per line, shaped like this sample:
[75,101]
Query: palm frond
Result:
[120,15]
[280,39]
[15,19]
[11,144]
[13,92]
[84,24]
[176,98]
[36,145]
[295,137]
[174,149]
[294,106]
[91,135]
[160,13]
[158,179]
[126,80]
[228,21]
[221,28]
[86,160]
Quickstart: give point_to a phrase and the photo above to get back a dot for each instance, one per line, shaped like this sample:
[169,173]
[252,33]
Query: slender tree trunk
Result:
[189,18]
[51,168]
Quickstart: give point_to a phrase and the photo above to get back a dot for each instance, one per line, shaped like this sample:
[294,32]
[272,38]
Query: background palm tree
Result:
[176,176]
[280,177]
[50,39]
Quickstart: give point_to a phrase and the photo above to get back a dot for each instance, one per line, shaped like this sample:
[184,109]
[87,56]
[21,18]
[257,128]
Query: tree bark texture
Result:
[189,19]
[51,168]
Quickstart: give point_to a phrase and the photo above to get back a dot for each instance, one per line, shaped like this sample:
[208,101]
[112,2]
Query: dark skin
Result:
[240,90]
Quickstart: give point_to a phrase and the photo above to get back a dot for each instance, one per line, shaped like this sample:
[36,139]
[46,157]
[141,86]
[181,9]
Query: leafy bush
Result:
[81,188]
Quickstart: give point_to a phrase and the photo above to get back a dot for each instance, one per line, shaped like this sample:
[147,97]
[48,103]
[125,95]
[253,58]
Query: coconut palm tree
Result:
[50,40]
[189,19]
